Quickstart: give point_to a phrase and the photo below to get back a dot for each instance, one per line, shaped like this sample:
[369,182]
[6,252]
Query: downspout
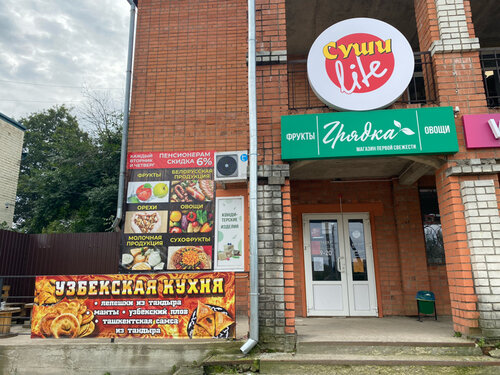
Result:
[126,108]
[252,114]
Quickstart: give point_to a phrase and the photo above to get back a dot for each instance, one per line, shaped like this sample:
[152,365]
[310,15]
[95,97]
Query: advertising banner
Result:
[360,64]
[374,133]
[170,212]
[230,242]
[482,131]
[185,305]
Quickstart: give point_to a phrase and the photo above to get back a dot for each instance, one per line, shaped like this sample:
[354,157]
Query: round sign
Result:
[360,64]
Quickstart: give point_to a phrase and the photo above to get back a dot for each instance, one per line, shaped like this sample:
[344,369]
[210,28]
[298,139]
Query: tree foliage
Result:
[69,179]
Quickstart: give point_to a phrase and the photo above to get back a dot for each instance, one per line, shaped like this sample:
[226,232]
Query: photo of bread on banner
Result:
[66,318]
[210,321]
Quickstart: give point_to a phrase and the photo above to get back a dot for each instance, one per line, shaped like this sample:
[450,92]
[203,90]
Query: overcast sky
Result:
[51,49]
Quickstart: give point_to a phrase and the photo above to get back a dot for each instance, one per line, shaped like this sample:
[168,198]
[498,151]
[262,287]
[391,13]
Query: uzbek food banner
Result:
[170,212]
[184,305]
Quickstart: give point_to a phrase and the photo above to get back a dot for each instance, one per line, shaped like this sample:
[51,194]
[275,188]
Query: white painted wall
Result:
[11,145]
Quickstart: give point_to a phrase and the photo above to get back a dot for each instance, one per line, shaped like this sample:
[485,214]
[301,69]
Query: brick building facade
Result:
[190,93]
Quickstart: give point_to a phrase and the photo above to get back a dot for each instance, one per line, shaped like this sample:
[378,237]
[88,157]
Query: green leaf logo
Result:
[407,131]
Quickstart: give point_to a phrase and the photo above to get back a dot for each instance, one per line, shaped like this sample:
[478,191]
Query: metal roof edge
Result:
[12,122]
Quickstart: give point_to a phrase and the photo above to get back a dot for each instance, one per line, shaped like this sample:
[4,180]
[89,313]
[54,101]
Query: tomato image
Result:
[144,192]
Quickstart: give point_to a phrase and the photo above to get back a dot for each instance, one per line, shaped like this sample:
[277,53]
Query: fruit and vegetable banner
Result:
[184,305]
[170,212]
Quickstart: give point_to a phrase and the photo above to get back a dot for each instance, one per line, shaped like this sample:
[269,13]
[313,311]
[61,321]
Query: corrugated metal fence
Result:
[24,256]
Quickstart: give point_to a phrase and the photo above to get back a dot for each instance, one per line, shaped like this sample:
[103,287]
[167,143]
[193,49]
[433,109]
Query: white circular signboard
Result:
[360,64]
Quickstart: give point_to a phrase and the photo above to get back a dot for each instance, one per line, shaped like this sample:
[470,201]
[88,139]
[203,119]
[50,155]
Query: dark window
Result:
[490,65]
[432,226]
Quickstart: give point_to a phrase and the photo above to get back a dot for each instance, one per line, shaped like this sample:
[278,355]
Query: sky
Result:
[51,51]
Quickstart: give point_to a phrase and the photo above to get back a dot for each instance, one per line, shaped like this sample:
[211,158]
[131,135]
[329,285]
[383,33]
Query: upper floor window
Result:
[490,65]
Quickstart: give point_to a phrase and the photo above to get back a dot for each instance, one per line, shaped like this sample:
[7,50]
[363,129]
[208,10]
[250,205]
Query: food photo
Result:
[192,191]
[191,221]
[143,259]
[209,321]
[143,222]
[148,192]
[189,258]
[65,319]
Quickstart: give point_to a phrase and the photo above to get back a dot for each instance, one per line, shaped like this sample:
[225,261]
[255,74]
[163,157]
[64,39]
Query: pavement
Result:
[387,329]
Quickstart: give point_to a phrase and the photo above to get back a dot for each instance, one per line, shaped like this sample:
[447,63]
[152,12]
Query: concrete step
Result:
[231,364]
[189,370]
[389,348]
[374,364]
[383,358]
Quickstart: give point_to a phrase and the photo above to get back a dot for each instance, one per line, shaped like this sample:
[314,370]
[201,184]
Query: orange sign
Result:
[187,305]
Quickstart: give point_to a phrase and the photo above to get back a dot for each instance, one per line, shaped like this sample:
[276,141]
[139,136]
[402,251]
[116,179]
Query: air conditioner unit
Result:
[231,166]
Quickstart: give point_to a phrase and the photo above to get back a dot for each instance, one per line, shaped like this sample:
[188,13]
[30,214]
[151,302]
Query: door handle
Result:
[340,264]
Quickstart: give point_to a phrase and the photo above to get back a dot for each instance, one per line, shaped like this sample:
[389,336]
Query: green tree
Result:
[68,180]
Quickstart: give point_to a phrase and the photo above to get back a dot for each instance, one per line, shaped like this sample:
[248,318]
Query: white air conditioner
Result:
[231,166]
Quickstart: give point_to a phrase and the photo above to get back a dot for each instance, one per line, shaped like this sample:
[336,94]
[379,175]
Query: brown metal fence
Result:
[24,256]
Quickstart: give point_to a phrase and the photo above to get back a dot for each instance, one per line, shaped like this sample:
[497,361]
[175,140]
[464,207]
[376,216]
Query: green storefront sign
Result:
[373,133]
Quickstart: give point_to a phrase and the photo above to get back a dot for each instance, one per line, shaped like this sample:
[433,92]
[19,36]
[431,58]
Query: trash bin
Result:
[426,303]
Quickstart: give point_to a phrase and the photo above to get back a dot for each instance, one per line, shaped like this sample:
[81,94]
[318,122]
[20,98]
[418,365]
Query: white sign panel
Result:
[229,240]
[360,64]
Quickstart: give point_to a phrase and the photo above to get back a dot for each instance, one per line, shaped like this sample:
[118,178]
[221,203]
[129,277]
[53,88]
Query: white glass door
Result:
[339,270]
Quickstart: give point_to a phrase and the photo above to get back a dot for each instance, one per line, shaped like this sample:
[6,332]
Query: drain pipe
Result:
[126,108]
[252,114]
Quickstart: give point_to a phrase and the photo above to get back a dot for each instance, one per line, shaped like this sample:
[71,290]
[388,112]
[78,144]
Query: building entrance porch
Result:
[366,329]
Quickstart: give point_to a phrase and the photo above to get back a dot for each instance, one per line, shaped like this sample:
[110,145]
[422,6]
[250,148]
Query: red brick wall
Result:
[272,80]
[190,89]
[427,23]
[272,103]
[411,244]
[289,269]
[439,285]
[462,296]
[459,84]
[190,86]
[190,76]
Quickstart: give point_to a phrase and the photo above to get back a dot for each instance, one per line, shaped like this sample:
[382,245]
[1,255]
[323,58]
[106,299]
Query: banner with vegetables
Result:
[173,305]
[170,212]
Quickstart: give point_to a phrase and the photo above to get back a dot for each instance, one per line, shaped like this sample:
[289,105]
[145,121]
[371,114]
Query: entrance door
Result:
[340,278]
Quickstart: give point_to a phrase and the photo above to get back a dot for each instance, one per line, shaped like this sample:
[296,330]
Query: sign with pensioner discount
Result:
[360,64]
[170,212]
[374,133]
[187,305]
